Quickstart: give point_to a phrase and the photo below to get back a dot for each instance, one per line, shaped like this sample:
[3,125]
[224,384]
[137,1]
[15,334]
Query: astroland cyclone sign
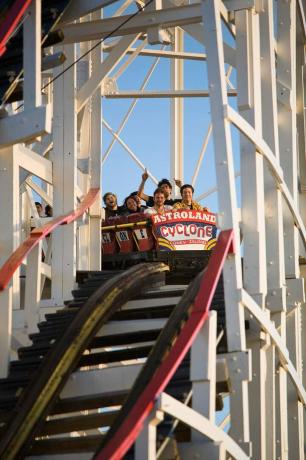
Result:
[185,230]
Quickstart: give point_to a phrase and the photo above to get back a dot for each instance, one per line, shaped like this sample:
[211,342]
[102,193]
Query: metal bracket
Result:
[276,300]
[284,95]
[156,35]
[239,365]
[109,86]
[295,292]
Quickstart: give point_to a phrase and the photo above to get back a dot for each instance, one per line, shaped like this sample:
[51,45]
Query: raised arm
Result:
[144,178]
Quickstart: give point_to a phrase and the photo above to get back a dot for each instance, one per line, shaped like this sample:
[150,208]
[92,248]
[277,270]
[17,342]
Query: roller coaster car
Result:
[178,230]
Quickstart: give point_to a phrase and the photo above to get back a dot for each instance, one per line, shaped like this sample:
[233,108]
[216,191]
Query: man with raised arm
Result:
[164,184]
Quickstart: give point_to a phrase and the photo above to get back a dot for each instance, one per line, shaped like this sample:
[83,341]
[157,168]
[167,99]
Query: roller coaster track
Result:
[71,344]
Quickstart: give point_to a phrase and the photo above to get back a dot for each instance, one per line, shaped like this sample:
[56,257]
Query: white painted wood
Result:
[172,94]
[94,30]
[32,56]
[33,289]
[148,303]
[103,69]
[177,114]
[95,166]
[9,240]
[34,163]
[25,126]
[227,206]
[102,381]
[203,372]
[145,446]
[178,410]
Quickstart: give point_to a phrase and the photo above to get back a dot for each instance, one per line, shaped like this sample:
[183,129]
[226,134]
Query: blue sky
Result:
[147,132]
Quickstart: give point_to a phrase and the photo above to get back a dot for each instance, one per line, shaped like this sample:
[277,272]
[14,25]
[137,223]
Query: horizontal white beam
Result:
[101,381]
[190,417]
[163,53]
[25,126]
[34,163]
[138,94]
[123,25]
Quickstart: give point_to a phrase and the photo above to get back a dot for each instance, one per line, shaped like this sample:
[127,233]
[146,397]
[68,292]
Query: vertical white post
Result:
[64,181]
[177,112]
[228,217]
[145,445]
[286,74]
[32,56]
[203,372]
[276,301]
[253,215]
[95,166]
[33,289]
[9,240]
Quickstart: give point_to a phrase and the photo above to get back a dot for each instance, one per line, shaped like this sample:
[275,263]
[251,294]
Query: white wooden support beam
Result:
[111,93]
[118,26]
[252,183]
[32,56]
[34,164]
[286,74]
[196,31]
[145,445]
[33,289]
[9,241]
[25,126]
[79,8]
[235,327]
[177,113]
[200,423]
[203,371]
[103,69]
[95,167]
[64,158]
[48,198]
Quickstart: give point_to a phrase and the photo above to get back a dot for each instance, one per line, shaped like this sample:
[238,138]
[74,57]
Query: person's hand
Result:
[145,175]
[178,182]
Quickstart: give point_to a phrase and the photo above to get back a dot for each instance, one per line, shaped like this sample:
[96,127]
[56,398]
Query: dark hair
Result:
[133,193]
[126,199]
[37,203]
[48,210]
[106,195]
[164,182]
[186,186]
[159,190]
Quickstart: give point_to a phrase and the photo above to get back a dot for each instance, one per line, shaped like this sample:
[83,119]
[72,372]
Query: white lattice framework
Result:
[257,88]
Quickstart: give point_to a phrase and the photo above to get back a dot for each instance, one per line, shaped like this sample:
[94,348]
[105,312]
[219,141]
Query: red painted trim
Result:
[15,260]
[126,435]
[11,21]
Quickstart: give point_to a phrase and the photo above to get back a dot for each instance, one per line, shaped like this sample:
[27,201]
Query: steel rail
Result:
[17,257]
[12,19]
[125,430]
[63,358]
